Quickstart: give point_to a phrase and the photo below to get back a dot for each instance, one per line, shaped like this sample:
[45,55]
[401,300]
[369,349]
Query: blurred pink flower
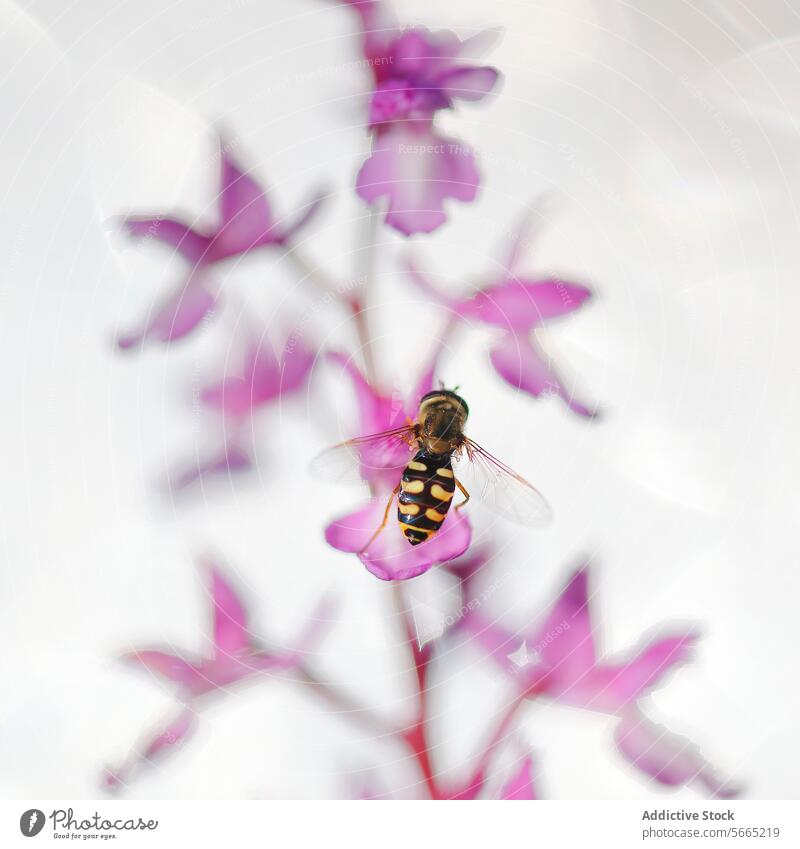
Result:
[389,556]
[416,170]
[178,314]
[263,378]
[517,304]
[416,73]
[666,757]
[167,738]
[235,655]
[246,222]
[558,658]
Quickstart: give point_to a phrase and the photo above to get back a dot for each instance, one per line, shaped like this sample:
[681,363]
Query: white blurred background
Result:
[667,135]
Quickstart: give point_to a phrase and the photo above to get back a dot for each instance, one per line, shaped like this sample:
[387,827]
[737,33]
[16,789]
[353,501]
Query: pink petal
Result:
[296,363]
[616,686]
[230,617]
[520,785]
[231,460]
[258,380]
[237,395]
[520,305]
[564,640]
[666,757]
[415,170]
[166,665]
[390,557]
[175,317]
[175,734]
[262,380]
[382,412]
[177,731]
[193,246]
[370,404]
[393,100]
[469,83]
[232,396]
[519,362]
[246,218]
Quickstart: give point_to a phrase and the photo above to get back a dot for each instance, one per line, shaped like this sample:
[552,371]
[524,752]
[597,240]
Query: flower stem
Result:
[500,734]
[416,736]
[368,256]
[345,704]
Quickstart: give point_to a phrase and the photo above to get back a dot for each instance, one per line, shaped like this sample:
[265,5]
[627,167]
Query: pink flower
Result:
[517,304]
[178,314]
[246,222]
[166,739]
[390,557]
[416,170]
[264,377]
[558,658]
[666,757]
[416,73]
[235,655]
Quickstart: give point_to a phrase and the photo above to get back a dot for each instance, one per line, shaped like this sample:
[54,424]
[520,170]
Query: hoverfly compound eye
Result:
[444,397]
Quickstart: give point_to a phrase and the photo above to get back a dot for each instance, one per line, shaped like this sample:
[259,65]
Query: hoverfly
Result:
[442,455]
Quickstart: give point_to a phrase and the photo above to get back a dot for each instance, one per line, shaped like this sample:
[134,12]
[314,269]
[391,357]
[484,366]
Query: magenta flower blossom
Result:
[390,557]
[166,739]
[246,222]
[668,758]
[416,170]
[263,378]
[178,314]
[234,656]
[517,304]
[559,659]
[417,73]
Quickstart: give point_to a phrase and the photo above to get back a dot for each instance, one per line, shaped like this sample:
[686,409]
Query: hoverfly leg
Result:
[410,438]
[464,493]
[385,519]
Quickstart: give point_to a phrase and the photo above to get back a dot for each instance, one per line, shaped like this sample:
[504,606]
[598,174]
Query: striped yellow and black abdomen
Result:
[426,493]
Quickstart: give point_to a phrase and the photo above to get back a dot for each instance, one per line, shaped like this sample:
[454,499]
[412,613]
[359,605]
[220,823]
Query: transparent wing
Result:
[359,459]
[500,488]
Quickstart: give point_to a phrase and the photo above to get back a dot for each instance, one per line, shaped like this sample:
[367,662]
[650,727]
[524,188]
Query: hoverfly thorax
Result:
[440,420]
